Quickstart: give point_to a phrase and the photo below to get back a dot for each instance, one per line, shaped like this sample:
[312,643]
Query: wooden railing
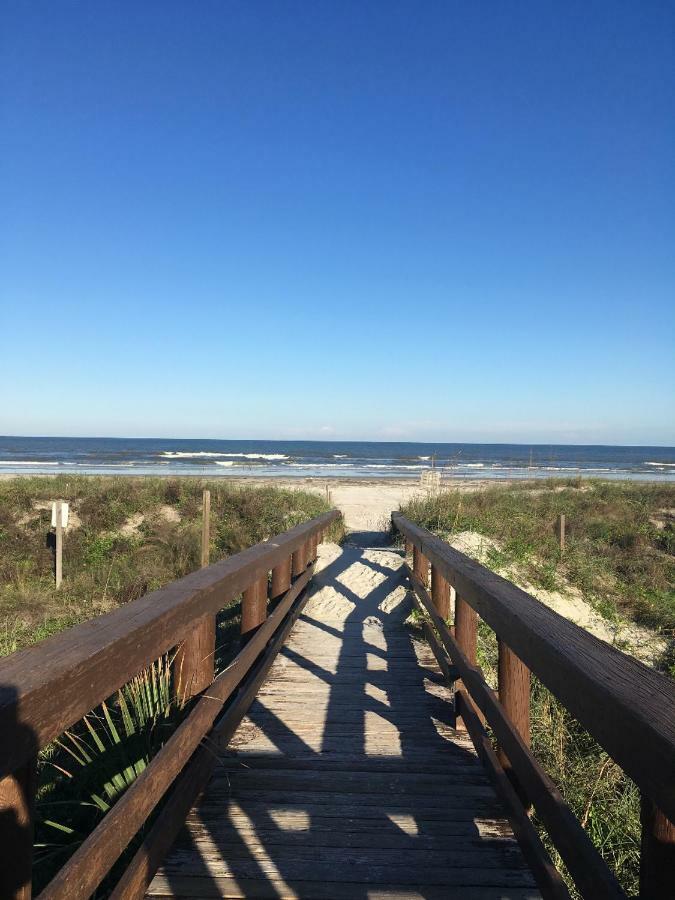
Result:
[46,689]
[626,706]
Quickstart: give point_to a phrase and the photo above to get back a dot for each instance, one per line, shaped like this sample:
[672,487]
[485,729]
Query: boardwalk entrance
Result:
[347,778]
[323,761]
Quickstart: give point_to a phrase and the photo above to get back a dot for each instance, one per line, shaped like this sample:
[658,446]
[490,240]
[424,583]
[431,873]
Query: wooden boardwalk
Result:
[347,778]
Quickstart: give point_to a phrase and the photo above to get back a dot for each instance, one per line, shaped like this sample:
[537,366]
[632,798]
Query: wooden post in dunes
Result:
[206,525]
[58,574]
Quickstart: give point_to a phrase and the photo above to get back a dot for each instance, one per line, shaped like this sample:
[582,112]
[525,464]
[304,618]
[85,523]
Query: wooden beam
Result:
[420,566]
[299,562]
[194,662]
[281,579]
[514,695]
[254,607]
[440,593]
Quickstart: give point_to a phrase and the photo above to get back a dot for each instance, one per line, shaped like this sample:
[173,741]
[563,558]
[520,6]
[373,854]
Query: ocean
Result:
[329,459]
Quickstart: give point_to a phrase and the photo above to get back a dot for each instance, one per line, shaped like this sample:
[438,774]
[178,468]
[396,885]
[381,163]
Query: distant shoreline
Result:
[369,462]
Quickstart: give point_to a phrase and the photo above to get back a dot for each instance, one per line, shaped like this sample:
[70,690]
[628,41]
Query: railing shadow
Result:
[17,793]
[351,709]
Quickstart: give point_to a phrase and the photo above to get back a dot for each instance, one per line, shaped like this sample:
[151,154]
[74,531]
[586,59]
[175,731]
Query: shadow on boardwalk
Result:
[347,779]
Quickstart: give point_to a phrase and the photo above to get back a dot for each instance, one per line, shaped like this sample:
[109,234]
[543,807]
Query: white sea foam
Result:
[181,454]
[392,466]
[340,455]
[225,462]
[26,462]
[424,457]
[297,465]
[665,465]
[197,454]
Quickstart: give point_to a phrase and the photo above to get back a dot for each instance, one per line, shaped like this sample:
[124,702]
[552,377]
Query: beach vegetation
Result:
[618,553]
[127,536]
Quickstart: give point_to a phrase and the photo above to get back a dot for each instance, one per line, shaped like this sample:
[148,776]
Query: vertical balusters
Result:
[420,566]
[440,593]
[466,635]
[281,579]
[514,695]
[254,607]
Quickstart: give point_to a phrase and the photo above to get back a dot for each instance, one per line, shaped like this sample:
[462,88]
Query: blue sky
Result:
[378,220]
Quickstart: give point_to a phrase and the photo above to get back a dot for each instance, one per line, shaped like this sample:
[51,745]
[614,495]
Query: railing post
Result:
[281,579]
[299,563]
[194,664]
[254,607]
[440,593]
[466,635]
[514,695]
[657,853]
[420,566]
[17,803]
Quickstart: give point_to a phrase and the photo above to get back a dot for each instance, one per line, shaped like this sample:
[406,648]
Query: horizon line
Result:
[99,437]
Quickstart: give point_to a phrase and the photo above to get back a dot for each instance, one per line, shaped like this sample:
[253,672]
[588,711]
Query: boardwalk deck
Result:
[347,778]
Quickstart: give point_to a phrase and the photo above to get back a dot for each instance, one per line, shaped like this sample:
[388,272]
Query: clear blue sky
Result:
[376,220]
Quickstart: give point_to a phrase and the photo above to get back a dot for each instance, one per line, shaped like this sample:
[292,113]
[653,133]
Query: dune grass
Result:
[620,547]
[619,553]
[131,536]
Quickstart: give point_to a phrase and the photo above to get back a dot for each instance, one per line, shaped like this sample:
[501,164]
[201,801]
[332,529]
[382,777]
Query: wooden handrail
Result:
[590,873]
[627,707]
[84,665]
[47,688]
[91,862]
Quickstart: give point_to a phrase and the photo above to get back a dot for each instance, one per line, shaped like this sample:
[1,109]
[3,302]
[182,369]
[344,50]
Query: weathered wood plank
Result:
[347,779]
[290,889]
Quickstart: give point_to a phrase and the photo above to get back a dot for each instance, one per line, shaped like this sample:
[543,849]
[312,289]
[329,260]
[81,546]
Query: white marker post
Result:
[59,523]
